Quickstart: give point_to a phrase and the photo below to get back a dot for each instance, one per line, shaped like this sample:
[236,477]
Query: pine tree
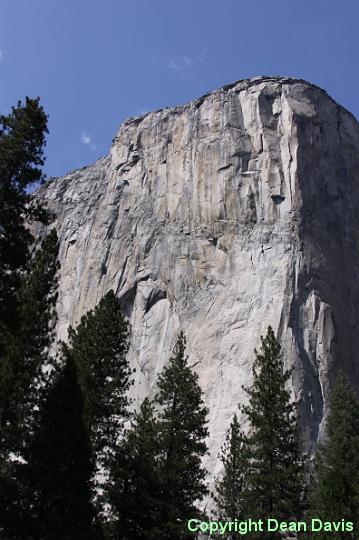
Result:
[135,492]
[21,371]
[99,347]
[276,473]
[60,466]
[23,381]
[334,490]
[231,488]
[182,433]
[22,138]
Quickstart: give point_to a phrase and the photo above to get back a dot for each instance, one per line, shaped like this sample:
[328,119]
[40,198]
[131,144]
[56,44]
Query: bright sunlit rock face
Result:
[220,217]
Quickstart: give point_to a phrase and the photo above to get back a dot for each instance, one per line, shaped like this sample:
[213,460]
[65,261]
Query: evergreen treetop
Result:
[231,488]
[99,347]
[135,487]
[22,138]
[182,432]
[276,472]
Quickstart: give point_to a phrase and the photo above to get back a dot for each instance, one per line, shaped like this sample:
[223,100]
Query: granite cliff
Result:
[220,217]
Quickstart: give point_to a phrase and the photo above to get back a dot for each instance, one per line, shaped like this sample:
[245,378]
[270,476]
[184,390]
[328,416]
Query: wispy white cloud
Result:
[1,55]
[174,64]
[183,63]
[86,139]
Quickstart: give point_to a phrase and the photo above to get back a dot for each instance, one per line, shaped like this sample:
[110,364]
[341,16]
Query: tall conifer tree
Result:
[23,379]
[276,472]
[334,490]
[182,433]
[60,466]
[135,488]
[22,139]
[230,494]
[99,347]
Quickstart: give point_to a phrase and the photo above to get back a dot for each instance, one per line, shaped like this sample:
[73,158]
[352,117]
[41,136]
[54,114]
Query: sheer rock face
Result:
[220,217]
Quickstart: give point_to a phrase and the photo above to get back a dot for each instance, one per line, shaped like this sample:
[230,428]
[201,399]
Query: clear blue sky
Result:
[96,62]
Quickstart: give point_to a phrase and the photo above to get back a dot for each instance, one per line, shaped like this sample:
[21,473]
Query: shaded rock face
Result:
[223,216]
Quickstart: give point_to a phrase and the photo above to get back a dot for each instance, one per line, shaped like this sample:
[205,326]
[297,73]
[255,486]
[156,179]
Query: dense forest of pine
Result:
[70,469]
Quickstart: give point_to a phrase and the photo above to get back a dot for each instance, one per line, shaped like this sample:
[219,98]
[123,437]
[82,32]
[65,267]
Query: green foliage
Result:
[79,415]
[231,488]
[276,472]
[23,381]
[135,489]
[22,138]
[27,299]
[156,476]
[22,378]
[99,347]
[334,492]
[39,422]
[182,432]
[61,465]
